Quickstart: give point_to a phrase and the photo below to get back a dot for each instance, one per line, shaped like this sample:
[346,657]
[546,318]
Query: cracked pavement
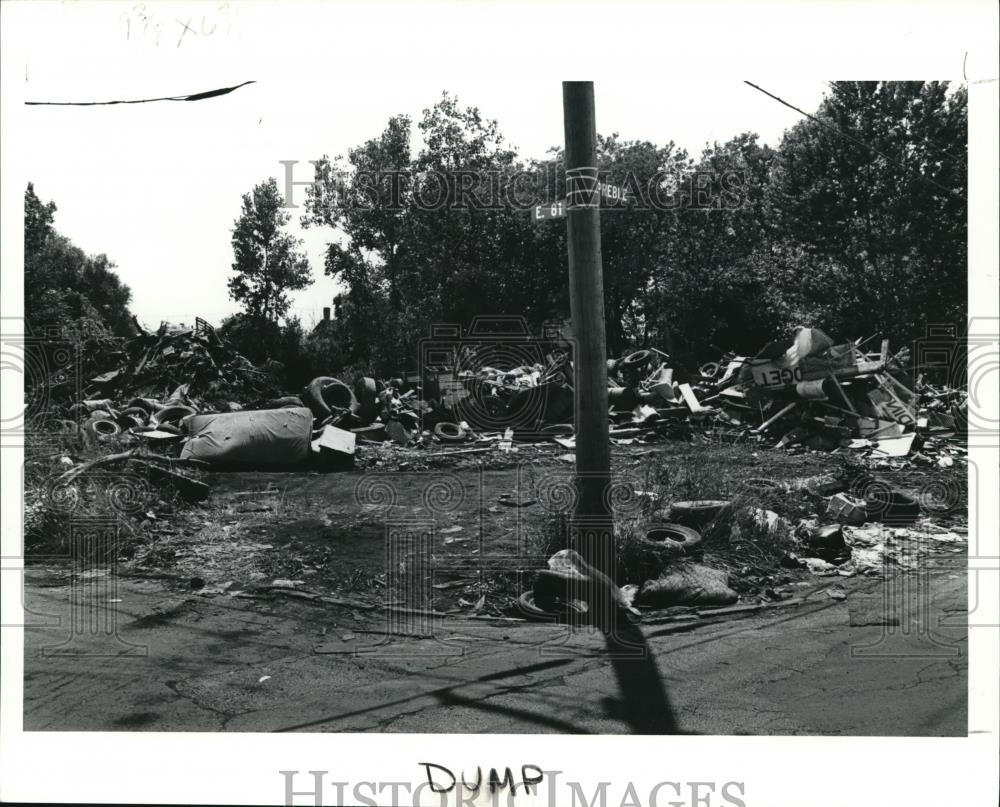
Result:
[885,661]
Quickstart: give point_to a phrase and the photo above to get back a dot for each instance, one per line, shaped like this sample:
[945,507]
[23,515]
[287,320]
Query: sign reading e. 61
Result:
[553,210]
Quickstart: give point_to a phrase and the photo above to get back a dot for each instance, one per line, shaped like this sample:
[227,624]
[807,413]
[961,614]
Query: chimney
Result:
[326,313]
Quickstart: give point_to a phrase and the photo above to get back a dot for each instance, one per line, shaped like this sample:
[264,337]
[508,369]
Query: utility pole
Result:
[646,706]
[592,528]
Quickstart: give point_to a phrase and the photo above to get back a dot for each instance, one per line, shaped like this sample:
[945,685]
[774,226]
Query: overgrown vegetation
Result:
[854,223]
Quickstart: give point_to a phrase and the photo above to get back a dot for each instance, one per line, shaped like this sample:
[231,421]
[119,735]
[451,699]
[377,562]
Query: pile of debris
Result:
[186,391]
[197,361]
[804,392]
[865,526]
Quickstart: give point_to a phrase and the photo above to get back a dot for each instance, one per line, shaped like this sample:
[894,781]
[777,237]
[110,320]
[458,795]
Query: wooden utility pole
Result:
[646,707]
[592,528]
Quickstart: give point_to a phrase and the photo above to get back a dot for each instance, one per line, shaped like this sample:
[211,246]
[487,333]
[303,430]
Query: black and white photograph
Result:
[509,426]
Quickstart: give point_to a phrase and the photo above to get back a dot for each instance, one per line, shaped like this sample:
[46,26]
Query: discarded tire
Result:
[366,393]
[698,513]
[449,432]
[144,403]
[174,413]
[634,361]
[131,421]
[527,608]
[337,394]
[133,416]
[673,537]
[653,549]
[103,427]
[709,370]
[325,392]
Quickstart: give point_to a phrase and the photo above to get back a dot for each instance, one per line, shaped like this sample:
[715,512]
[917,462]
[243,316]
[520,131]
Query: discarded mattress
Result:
[688,584]
[268,438]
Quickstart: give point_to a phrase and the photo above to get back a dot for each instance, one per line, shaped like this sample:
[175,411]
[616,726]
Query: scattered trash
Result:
[334,448]
[802,392]
[847,509]
[698,514]
[572,588]
[283,583]
[818,565]
[891,506]
[828,543]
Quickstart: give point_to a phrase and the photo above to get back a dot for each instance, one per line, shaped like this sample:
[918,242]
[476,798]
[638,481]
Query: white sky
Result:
[158,186]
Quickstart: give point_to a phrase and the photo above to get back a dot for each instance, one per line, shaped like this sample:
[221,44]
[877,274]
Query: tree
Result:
[635,237]
[365,198]
[62,284]
[874,190]
[706,288]
[855,223]
[426,238]
[267,262]
[38,218]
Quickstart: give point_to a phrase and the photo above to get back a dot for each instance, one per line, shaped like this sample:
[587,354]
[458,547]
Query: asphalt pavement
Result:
[849,656]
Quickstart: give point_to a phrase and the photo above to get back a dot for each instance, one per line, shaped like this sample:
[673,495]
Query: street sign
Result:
[553,210]
[613,192]
[557,210]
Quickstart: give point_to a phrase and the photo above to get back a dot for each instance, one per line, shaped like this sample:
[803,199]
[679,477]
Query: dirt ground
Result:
[486,523]
[267,606]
